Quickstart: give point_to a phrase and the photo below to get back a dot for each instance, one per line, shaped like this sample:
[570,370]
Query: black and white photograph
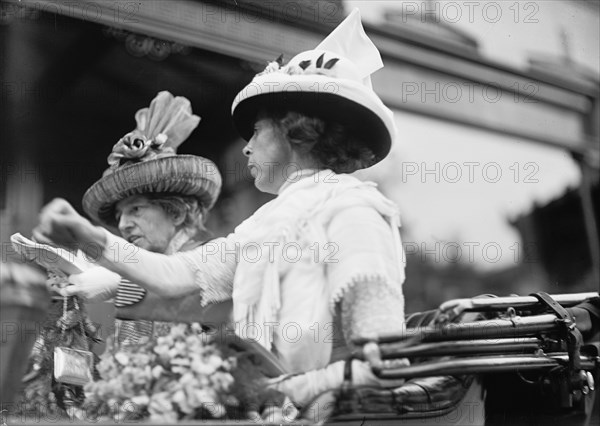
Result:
[330,212]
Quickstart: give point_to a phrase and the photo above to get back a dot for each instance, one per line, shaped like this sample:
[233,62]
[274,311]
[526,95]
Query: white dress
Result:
[288,265]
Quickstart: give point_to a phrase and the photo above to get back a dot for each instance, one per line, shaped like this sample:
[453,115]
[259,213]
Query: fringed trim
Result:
[212,292]
[341,290]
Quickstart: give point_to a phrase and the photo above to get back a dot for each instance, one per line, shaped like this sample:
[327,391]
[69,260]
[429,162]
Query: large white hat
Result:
[145,161]
[331,82]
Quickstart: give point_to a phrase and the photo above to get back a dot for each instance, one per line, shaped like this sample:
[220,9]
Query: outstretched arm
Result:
[206,269]
[177,275]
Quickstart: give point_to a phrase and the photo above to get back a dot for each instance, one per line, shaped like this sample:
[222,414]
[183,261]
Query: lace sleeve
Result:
[369,309]
[208,267]
[213,269]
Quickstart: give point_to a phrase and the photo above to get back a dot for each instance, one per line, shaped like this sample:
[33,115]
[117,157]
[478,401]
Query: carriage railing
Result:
[498,303]
[514,341]
[527,346]
[487,330]
[487,364]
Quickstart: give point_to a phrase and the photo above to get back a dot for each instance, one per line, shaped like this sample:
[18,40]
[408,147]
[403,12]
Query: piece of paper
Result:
[55,259]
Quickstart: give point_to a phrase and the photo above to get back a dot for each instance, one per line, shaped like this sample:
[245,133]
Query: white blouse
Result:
[287,265]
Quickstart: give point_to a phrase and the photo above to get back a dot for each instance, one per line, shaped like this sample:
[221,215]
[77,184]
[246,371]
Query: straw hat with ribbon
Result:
[145,161]
[331,82]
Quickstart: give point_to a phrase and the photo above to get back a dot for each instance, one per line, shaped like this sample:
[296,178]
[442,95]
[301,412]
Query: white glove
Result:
[303,388]
[97,284]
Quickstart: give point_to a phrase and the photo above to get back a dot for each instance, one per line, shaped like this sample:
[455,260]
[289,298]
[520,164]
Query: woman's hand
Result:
[94,285]
[61,224]
[304,388]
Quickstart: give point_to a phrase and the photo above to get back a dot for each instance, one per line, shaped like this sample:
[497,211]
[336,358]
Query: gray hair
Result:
[190,208]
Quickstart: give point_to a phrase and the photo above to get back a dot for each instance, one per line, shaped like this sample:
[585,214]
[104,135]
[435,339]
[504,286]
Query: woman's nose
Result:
[247,150]
[124,223]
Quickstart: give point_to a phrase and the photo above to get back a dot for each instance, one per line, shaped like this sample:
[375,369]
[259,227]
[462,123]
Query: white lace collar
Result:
[296,176]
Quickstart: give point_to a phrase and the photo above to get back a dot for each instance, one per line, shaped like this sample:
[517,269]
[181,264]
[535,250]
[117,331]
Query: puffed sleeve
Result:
[368,273]
[208,268]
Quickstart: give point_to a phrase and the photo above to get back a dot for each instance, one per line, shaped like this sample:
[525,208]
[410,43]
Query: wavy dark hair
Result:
[332,145]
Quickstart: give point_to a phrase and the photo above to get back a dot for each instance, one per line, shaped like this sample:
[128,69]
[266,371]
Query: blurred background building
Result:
[495,167]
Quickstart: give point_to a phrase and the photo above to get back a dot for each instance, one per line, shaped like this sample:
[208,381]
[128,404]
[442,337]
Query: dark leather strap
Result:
[556,307]
[571,334]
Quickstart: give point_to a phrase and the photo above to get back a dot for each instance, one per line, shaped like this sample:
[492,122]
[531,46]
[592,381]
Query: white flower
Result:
[221,381]
[292,70]
[157,371]
[180,399]
[181,348]
[180,361]
[122,358]
[164,340]
[271,67]
[178,331]
[140,400]
[187,378]
[179,369]
[160,403]
[200,366]
[203,397]
[196,329]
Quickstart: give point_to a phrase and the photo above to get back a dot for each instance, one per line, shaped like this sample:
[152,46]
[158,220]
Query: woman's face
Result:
[145,224]
[271,159]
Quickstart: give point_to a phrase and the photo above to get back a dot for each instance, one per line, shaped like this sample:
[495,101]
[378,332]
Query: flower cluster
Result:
[135,146]
[183,375]
[273,66]
[304,67]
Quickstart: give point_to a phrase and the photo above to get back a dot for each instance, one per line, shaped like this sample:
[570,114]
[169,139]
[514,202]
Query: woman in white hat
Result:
[321,264]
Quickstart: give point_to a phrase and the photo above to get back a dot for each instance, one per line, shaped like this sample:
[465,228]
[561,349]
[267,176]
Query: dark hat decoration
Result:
[145,161]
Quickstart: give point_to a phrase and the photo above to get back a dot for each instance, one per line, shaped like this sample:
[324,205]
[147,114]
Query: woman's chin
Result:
[143,244]
[266,187]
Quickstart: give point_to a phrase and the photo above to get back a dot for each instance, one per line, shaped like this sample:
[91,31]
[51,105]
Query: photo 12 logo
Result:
[470,172]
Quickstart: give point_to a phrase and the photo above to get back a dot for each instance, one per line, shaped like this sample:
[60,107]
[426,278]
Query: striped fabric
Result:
[130,333]
[128,294]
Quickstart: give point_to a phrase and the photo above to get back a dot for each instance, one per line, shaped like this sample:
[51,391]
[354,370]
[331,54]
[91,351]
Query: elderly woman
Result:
[158,201]
[322,263]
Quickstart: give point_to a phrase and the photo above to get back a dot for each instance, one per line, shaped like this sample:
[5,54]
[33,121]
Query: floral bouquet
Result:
[186,374]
